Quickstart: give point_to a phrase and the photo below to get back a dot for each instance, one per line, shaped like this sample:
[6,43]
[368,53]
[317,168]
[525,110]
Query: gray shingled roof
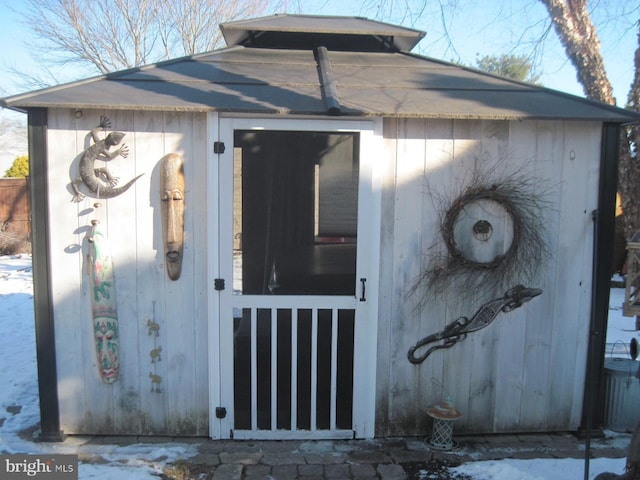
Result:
[308,80]
[292,31]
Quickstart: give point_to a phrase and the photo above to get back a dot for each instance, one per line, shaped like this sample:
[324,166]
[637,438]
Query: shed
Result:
[298,210]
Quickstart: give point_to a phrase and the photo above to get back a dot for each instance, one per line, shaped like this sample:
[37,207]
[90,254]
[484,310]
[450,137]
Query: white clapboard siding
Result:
[122,231]
[74,338]
[198,250]
[144,291]
[580,155]
[544,147]
[385,296]
[525,372]
[406,252]
[150,272]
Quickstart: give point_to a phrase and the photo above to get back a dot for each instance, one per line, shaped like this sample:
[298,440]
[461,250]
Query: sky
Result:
[474,28]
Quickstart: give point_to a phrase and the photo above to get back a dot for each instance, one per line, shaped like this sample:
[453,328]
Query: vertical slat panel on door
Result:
[314,369]
[270,318]
[294,369]
[334,367]
[254,369]
[274,369]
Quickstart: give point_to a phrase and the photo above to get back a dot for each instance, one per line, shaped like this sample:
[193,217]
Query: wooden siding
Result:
[15,210]
[144,291]
[525,372]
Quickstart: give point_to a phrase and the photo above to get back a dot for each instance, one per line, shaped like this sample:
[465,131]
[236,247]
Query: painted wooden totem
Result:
[103,304]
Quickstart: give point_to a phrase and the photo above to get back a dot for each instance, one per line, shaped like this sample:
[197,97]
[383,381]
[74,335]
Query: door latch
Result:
[221,412]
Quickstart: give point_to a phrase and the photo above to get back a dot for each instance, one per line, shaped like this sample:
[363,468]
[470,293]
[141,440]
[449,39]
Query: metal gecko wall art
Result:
[457,330]
[99,181]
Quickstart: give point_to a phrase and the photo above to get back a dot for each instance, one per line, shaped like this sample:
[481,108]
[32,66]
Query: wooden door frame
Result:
[368,256]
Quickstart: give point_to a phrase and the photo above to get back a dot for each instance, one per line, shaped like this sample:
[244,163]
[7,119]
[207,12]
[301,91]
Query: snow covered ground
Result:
[19,403]
[19,407]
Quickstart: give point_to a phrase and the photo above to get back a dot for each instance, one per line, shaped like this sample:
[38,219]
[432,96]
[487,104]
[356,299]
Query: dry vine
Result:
[524,200]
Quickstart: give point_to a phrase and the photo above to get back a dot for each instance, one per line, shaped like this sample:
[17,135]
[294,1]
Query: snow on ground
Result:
[19,405]
[19,410]
[539,469]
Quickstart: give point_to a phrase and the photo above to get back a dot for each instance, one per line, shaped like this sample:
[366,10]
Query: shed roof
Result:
[308,31]
[313,79]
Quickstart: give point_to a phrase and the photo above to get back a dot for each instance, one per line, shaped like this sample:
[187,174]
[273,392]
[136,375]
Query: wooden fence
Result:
[15,209]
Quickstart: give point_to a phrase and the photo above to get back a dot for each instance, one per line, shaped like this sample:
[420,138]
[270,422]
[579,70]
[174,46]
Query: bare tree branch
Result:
[118,34]
[193,24]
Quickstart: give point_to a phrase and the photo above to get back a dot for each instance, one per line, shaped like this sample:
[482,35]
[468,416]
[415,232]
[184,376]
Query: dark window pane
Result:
[295,212]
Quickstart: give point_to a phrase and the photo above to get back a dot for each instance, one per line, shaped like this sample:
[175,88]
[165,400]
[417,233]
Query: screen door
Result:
[294,287]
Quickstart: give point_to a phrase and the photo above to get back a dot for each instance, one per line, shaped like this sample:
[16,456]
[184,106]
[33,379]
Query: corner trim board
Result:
[42,296]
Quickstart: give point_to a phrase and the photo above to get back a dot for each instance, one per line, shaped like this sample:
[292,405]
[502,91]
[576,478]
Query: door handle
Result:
[363,296]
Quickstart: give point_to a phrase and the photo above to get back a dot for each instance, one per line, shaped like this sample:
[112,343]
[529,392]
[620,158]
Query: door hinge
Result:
[218,147]
[218,284]
[221,412]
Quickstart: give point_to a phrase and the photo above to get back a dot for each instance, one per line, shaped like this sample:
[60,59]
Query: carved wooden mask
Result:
[172,196]
[107,348]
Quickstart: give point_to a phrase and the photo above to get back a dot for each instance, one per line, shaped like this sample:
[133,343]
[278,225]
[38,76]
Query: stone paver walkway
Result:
[381,459]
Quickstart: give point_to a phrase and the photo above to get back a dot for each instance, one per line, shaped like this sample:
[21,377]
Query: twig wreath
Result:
[521,201]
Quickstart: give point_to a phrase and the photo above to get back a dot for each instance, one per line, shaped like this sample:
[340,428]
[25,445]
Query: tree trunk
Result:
[578,36]
[629,168]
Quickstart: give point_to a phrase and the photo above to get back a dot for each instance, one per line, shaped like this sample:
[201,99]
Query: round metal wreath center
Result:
[482,232]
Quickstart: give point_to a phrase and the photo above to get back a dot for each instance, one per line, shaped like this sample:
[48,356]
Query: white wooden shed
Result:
[343,198]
